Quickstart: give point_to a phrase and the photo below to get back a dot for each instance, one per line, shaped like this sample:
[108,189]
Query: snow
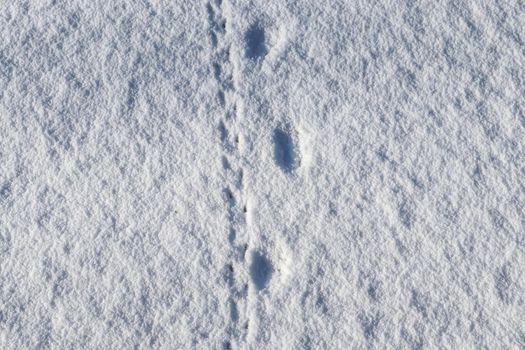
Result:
[262,174]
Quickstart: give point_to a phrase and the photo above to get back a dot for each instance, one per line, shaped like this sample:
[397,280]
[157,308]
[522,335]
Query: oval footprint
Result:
[284,152]
[255,39]
[261,270]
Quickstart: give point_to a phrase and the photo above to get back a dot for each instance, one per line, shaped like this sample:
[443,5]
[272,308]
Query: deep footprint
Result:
[261,270]
[283,150]
[255,39]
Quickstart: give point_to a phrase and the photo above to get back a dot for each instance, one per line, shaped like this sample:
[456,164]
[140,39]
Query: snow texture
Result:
[262,174]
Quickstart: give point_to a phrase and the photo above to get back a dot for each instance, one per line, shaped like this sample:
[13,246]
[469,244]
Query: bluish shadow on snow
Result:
[133,89]
[260,270]
[255,39]
[283,150]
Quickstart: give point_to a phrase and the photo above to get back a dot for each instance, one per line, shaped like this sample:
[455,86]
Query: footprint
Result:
[133,89]
[255,39]
[228,275]
[211,13]
[232,235]
[221,97]
[217,71]
[234,312]
[225,163]
[223,132]
[229,197]
[261,270]
[283,150]
[213,39]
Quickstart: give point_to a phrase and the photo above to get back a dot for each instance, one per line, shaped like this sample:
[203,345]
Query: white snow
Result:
[262,174]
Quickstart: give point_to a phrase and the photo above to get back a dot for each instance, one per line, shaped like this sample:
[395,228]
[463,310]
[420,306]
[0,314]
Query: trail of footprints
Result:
[222,68]
[235,273]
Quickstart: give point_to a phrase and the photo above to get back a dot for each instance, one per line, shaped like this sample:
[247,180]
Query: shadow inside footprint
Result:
[260,270]
[255,39]
[284,150]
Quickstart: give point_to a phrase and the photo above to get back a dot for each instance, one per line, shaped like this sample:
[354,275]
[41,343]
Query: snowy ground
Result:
[262,174]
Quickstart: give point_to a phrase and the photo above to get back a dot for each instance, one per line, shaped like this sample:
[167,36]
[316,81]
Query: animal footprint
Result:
[261,270]
[284,152]
[255,39]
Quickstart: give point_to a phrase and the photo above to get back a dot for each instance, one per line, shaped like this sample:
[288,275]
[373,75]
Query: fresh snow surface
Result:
[263,174]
